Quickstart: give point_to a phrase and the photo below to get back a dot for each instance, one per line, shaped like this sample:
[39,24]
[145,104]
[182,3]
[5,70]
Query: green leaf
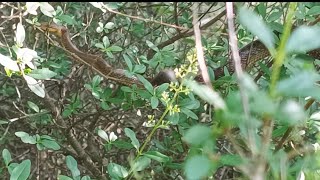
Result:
[141,163]
[22,171]
[189,113]
[25,137]
[134,141]
[155,155]
[302,84]
[152,46]
[62,177]
[197,135]
[231,160]
[128,62]
[99,45]
[50,144]
[66,18]
[109,25]
[197,167]
[86,178]
[6,156]
[117,171]
[106,41]
[140,68]
[303,39]
[73,166]
[315,10]
[33,106]
[146,83]
[154,102]
[274,16]
[207,94]
[96,80]
[160,89]
[115,48]
[256,26]
[122,144]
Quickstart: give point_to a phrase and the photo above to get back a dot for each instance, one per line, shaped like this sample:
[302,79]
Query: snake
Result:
[249,54]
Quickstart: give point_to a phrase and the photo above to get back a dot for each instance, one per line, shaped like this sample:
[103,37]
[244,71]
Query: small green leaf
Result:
[302,84]
[115,48]
[146,83]
[197,135]
[154,102]
[303,39]
[6,156]
[141,163]
[109,25]
[197,167]
[315,10]
[231,160]
[22,171]
[134,141]
[86,178]
[106,41]
[99,45]
[207,94]
[117,171]
[50,144]
[189,113]
[256,26]
[26,138]
[33,106]
[66,18]
[43,73]
[128,62]
[155,155]
[96,80]
[140,68]
[160,89]
[63,177]
[73,166]
[152,46]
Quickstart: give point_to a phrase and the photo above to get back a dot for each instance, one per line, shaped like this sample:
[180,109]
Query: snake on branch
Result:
[249,54]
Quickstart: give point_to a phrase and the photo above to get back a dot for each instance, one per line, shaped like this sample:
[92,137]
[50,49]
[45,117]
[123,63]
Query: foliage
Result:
[60,116]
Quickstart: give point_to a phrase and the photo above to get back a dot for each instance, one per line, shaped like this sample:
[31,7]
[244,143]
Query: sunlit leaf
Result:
[20,34]
[9,63]
[103,134]
[47,9]
[141,163]
[35,86]
[32,7]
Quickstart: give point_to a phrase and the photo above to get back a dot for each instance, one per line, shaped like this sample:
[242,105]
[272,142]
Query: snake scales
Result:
[249,55]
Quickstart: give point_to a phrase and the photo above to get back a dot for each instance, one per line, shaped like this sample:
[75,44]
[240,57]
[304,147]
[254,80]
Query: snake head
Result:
[53,28]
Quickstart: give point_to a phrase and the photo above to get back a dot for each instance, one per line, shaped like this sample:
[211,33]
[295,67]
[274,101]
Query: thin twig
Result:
[239,73]
[200,57]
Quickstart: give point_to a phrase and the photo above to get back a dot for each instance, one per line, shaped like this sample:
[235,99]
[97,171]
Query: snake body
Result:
[249,55]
